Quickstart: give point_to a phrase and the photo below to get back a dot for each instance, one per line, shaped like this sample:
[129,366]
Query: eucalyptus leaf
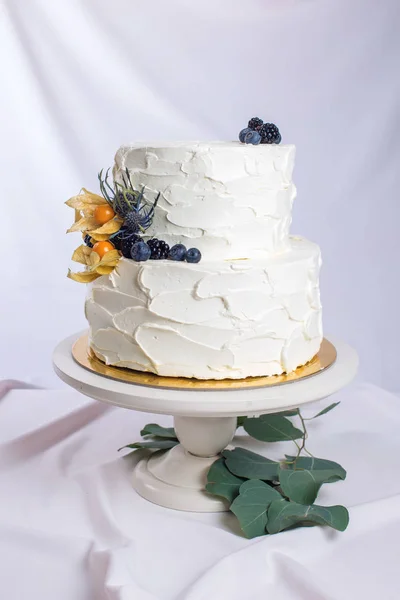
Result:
[221,482]
[315,464]
[302,481]
[157,444]
[154,429]
[250,465]
[283,515]
[272,428]
[251,506]
[289,413]
[299,486]
[325,410]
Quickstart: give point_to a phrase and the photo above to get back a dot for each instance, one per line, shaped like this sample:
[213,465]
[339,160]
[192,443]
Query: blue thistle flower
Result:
[140,217]
[128,203]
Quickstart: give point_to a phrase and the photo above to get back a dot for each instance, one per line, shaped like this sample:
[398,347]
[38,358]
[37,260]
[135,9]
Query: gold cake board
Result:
[85,357]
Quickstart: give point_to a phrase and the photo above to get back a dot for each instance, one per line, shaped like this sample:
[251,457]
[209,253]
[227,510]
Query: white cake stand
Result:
[204,421]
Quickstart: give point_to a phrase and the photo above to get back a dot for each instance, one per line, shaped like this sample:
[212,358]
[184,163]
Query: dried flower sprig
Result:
[109,224]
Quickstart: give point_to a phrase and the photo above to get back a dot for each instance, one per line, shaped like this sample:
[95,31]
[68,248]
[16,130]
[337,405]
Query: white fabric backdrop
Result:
[81,77]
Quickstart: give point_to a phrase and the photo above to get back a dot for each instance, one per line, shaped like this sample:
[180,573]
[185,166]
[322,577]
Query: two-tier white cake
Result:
[251,306]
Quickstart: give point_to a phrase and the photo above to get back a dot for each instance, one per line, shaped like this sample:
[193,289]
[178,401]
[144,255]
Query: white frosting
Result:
[251,306]
[229,200]
[211,320]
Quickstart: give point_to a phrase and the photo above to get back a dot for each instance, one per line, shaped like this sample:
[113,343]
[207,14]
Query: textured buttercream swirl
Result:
[211,320]
[228,199]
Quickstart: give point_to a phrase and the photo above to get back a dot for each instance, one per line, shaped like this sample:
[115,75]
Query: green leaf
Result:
[221,482]
[299,486]
[325,410]
[158,444]
[315,464]
[302,481]
[154,429]
[282,515]
[240,421]
[251,506]
[250,465]
[272,428]
[289,413]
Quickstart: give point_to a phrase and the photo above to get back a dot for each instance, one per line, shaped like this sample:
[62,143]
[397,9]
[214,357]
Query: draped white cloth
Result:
[73,528]
[81,77]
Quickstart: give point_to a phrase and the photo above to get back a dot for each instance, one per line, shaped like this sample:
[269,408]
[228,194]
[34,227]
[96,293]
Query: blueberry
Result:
[140,251]
[177,252]
[252,137]
[193,255]
[243,133]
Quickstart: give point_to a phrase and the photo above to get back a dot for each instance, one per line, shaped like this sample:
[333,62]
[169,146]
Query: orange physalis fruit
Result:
[103,214]
[102,248]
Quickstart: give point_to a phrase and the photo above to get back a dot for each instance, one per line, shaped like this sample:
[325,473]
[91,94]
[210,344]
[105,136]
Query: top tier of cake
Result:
[229,200]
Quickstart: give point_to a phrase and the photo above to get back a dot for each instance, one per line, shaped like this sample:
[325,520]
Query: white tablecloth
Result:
[73,528]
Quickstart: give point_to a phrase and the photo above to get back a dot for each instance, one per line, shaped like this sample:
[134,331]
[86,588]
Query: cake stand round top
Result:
[206,402]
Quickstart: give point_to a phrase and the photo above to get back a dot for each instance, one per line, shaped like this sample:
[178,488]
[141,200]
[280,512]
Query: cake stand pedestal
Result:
[204,421]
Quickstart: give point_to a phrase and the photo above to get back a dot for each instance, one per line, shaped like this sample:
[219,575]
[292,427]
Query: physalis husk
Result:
[94,266]
[84,204]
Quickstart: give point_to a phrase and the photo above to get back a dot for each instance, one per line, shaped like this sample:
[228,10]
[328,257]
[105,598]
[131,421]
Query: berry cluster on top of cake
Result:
[191,267]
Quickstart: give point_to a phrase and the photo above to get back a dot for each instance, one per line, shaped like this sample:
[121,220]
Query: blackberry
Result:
[127,243]
[270,134]
[117,238]
[121,206]
[255,123]
[88,241]
[159,249]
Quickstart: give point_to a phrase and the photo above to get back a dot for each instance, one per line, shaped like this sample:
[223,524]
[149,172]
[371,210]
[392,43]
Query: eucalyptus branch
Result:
[302,446]
[309,453]
[297,445]
[267,496]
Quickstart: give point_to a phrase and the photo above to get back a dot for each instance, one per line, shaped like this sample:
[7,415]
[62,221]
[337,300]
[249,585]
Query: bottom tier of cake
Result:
[211,320]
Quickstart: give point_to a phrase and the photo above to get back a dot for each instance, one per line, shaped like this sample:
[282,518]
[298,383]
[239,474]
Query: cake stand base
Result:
[177,478]
[205,421]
